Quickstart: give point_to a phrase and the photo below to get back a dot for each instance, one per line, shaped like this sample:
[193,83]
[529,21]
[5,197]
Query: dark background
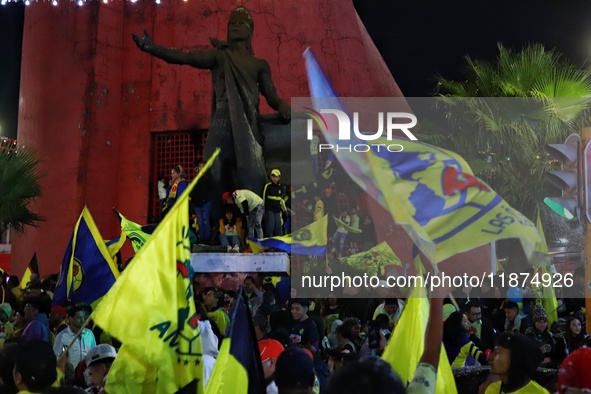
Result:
[418,39]
[11,36]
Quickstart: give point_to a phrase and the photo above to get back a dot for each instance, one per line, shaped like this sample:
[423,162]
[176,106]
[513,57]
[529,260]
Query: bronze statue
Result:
[238,77]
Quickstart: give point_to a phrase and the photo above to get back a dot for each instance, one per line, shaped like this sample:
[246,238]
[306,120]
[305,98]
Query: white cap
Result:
[335,324]
[100,352]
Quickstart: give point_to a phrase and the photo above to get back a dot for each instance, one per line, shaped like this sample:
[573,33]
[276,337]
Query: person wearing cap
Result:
[252,206]
[573,375]
[57,319]
[270,350]
[540,335]
[331,340]
[515,361]
[83,344]
[98,363]
[273,195]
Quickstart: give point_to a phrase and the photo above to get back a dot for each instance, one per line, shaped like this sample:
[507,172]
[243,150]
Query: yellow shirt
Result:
[530,388]
[221,319]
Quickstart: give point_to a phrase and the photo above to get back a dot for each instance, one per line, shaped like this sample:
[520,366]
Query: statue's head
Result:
[240,26]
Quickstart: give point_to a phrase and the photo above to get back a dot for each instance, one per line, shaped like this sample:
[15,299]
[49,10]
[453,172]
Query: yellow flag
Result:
[545,294]
[150,309]
[405,348]
[374,260]
[227,366]
[135,232]
[431,192]
[32,268]
[255,246]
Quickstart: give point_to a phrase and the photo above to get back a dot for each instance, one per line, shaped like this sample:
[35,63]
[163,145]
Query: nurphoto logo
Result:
[344,130]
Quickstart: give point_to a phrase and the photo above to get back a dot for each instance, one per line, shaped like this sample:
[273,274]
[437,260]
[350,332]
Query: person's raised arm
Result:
[425,375]
[196,58]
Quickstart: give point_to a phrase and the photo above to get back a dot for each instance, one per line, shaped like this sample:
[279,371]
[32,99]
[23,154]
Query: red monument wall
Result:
[90,99]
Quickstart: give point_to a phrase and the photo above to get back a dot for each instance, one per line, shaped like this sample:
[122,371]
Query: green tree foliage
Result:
[545,98]
[19,186]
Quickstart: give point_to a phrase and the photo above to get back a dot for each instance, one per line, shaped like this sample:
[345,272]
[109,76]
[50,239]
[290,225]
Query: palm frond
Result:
[544,98]
[19,186]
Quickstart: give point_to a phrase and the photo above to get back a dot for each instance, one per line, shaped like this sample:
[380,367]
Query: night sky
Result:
[418,39]
[11,26]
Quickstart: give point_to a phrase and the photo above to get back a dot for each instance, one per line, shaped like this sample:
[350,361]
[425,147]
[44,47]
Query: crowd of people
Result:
[45,347]
[244,212]
[335,339]
[323,345]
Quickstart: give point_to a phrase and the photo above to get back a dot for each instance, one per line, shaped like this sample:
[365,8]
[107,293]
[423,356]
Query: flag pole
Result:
[77,336]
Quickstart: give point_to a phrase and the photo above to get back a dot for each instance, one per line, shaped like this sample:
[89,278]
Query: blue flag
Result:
[87,271]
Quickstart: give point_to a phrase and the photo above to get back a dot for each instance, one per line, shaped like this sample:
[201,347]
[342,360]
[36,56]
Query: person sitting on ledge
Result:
[230,231]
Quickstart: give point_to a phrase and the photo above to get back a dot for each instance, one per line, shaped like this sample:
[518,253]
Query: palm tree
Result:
[544,99]
[19,185]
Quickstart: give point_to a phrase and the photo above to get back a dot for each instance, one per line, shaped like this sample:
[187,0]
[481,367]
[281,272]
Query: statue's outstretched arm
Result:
[196,58]
[268,91]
